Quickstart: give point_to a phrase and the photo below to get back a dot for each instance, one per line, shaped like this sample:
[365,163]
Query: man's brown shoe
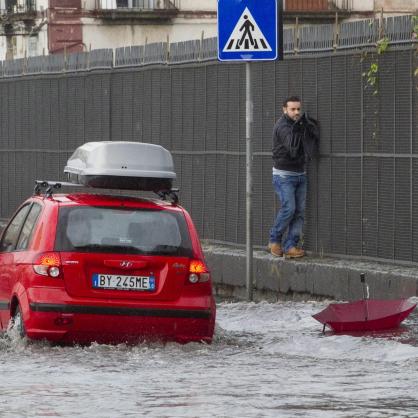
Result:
[275,249]
[294,252]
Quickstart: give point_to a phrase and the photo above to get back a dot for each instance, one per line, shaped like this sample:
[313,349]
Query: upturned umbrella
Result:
[365,315]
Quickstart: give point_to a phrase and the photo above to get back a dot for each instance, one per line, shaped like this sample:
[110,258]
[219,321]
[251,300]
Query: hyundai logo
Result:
[126,264]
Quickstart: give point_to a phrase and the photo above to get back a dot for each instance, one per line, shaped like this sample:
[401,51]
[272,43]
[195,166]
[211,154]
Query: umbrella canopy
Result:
[365,315]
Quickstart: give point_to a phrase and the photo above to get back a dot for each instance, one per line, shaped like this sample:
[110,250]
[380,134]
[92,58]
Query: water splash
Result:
[266,360]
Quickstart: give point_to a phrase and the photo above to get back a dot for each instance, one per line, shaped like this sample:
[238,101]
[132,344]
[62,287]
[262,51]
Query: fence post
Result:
[336,32]
[88,57]
[202,36]
[167,54]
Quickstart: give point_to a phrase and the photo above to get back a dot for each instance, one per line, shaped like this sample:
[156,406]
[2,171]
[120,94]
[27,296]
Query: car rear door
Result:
[129,254]
[107,275]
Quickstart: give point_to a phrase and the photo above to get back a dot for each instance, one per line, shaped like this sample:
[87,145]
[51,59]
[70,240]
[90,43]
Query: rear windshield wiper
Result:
[165,249]
[125,249]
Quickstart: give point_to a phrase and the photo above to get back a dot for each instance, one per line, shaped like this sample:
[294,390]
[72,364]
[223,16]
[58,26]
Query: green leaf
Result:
[382,45]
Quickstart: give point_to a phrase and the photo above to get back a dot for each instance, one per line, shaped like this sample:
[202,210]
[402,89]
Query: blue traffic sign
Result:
[247,30]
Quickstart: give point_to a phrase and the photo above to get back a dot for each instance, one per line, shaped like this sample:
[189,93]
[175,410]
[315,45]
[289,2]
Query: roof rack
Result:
[48,187]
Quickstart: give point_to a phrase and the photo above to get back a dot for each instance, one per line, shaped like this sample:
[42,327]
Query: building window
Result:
[127,4]
[32,46]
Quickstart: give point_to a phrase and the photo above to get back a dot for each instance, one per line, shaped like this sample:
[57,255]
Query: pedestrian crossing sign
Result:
[247,30]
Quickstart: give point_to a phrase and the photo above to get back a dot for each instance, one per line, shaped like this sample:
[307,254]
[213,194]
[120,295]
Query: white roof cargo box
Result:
[121,165]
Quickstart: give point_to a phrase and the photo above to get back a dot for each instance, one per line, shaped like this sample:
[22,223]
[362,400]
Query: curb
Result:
[306,278]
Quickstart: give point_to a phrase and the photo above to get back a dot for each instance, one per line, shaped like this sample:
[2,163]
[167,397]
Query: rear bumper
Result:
[121,311]
[86,321]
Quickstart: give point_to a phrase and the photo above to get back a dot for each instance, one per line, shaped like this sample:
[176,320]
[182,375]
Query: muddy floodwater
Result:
[267,360]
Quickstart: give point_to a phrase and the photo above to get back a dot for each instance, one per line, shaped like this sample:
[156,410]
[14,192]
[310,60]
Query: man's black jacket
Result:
[294,142]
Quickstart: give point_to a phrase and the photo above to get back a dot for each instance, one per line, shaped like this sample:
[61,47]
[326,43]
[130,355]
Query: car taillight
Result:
[48,264]
[198,272]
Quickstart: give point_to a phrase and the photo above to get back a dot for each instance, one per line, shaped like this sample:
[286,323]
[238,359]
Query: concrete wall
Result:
[196,18]
[398,6]
[42,4]
[97,36]
[198,5]
[306,278]
[360,5]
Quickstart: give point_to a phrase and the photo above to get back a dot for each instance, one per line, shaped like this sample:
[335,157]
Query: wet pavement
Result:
[267,360]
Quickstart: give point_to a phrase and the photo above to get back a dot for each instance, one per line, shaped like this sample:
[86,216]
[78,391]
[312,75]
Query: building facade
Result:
[37,27]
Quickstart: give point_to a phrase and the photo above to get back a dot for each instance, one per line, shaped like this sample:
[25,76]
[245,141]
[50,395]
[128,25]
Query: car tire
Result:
[17,325]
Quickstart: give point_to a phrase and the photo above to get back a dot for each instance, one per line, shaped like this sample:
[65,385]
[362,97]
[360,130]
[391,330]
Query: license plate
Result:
[119,282]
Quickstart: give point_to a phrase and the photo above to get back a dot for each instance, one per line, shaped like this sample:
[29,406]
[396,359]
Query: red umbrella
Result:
[366,314]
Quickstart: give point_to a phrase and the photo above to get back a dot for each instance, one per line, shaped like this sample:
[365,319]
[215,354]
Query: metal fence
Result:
[298,40]
[363,192]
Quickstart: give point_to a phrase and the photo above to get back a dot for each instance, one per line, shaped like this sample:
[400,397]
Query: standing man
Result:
[295,138]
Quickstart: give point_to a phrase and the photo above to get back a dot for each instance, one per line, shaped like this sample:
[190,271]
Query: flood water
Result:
[267,360]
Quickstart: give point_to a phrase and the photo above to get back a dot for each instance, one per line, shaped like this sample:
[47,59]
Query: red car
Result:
[78,268]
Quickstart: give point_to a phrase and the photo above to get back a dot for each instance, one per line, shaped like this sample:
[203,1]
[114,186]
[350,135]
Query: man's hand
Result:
[310,121]
[312,126]
[301,121]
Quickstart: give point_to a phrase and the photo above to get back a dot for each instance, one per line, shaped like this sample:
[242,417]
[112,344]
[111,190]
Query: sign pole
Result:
[249,180]
[249,30]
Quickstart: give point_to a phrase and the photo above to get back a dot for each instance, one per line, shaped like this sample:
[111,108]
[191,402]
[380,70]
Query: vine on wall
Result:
[382,45]
[372,74]
[372,79]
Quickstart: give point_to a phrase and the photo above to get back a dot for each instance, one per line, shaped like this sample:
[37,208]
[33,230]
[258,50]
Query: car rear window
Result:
[124,231]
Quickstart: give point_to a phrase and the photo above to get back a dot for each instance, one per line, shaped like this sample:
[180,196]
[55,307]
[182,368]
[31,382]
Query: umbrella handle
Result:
[366,293]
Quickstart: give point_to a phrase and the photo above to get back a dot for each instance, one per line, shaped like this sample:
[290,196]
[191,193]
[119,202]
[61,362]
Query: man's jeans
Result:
[292,194]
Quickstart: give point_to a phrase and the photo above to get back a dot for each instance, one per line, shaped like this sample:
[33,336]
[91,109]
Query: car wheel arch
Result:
[16,321]
[19,298]
[14,303]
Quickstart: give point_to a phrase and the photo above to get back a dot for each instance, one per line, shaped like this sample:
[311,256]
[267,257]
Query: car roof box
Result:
[121,165]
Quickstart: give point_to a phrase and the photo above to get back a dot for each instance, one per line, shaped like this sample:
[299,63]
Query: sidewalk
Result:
[306,278]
